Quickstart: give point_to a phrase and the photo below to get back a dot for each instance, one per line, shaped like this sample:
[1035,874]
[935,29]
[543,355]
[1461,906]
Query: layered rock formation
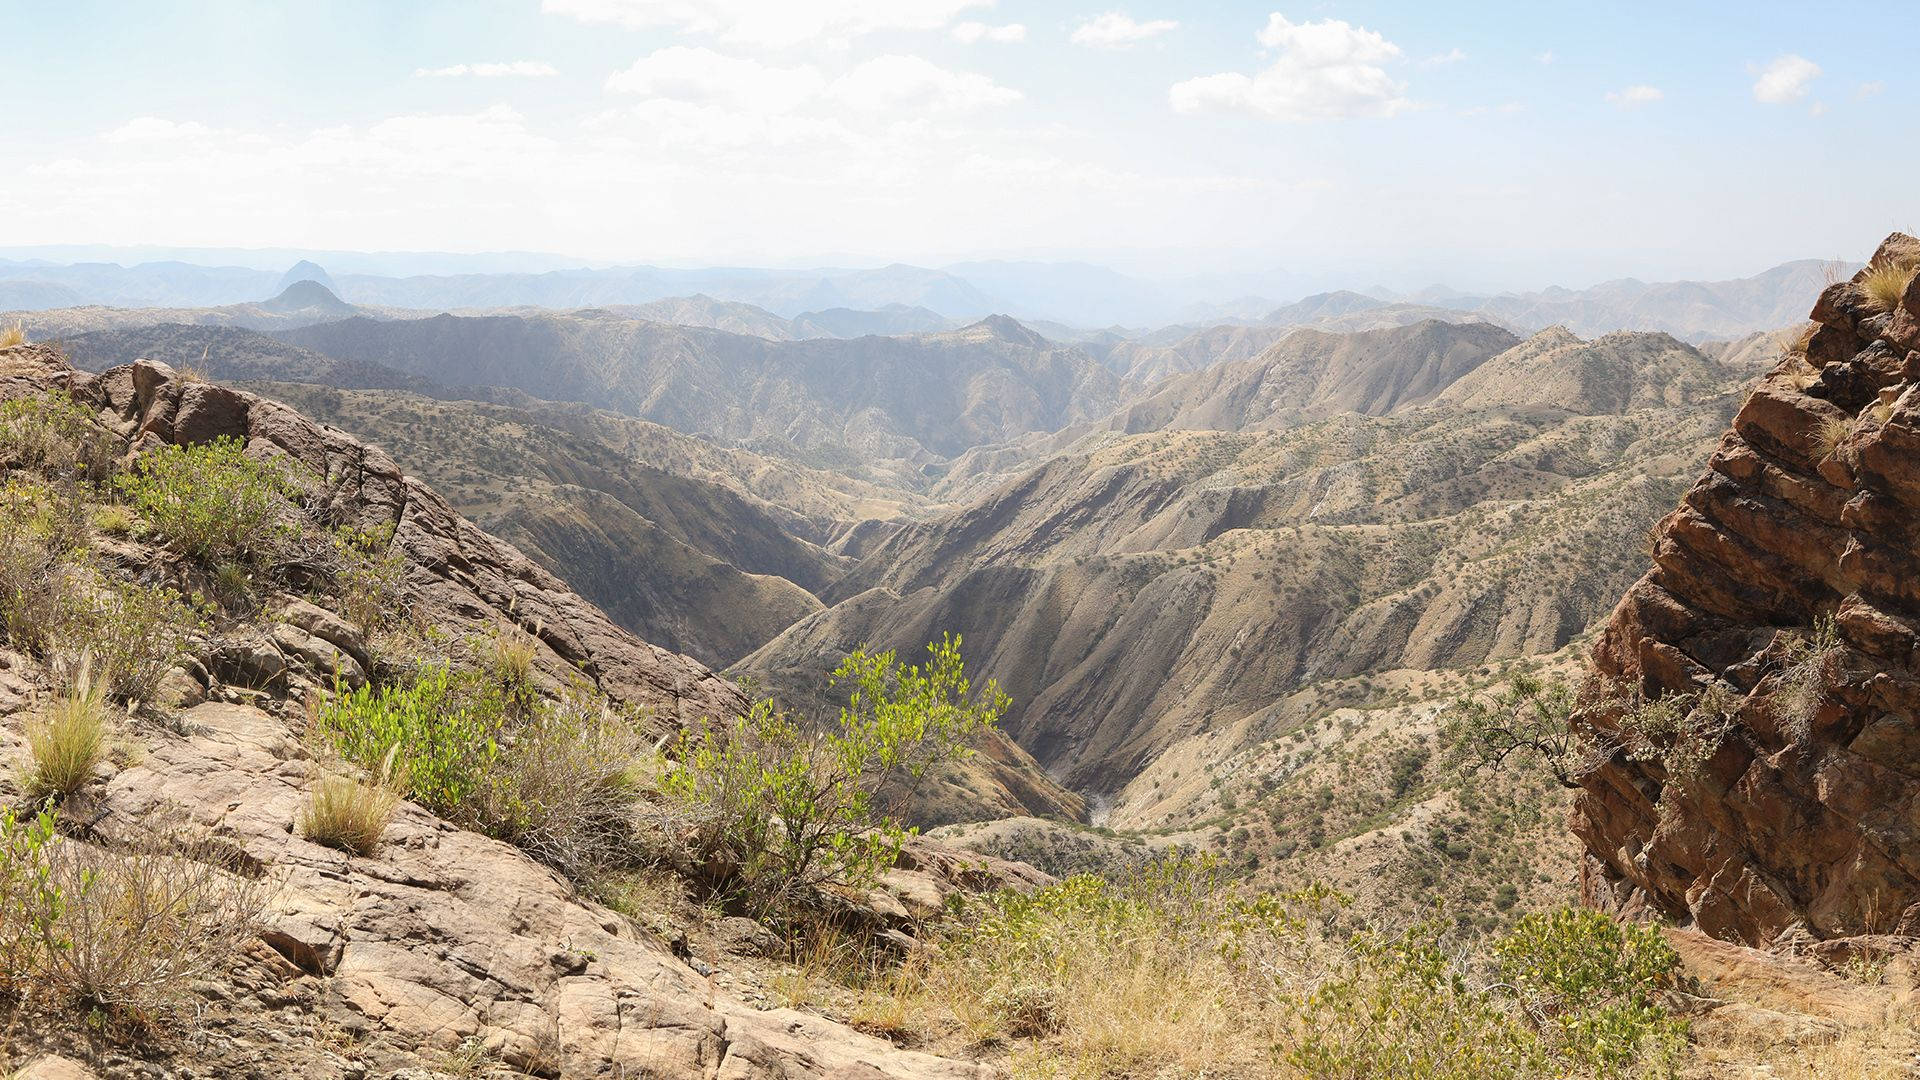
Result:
[1786,591]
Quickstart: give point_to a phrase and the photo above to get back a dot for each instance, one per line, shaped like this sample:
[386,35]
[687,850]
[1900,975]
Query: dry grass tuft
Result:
[70,741]
[344,813]
[1885,283]
[1830,434]
[514,650]
[13,335]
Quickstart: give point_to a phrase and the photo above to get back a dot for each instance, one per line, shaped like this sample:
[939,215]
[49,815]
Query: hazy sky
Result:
[1480,144]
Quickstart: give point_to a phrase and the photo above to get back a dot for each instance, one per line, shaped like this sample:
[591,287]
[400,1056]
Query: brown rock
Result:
[1815,827]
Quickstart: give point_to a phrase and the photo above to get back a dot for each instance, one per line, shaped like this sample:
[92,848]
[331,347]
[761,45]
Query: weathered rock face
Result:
[460,579]
[1806,816]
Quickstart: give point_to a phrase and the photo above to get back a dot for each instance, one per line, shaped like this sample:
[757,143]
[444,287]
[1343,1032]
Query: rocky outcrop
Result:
[1788,579]
[460,580]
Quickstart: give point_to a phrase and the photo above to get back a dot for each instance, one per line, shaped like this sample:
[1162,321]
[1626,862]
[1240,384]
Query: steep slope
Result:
[1311,374]
[436,942]
[893,405]
[1138,591]
[683,561]
[1785,803]
[1613,373]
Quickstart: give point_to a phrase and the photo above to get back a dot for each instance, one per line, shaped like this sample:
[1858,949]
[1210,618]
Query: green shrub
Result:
[557,779]
[29,900]
[1592,983]
[214,502]
[442,729]
[781,810]
[55,435]
[370,577]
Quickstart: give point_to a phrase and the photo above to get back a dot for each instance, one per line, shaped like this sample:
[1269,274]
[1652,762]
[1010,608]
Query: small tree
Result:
[784,809]
[1529,715]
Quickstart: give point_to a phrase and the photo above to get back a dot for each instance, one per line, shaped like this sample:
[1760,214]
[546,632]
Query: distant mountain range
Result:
[1064,297]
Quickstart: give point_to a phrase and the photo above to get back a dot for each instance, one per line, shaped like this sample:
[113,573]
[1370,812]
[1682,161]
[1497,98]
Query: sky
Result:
[1486,145]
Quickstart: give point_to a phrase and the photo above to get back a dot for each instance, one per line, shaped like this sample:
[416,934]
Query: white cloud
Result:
[1114,30]
[1329,69]
[968,33]
[524,69]
[155,129]
[702,76]
[1635,96]
[910,82]
[1785,79]
[1868,89]
[1545,57]
[769,23]
[1451,56]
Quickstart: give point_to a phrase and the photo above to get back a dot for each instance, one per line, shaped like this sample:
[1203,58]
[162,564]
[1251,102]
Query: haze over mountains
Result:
[913,298]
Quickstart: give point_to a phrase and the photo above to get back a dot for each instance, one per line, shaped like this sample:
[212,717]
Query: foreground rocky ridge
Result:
[442,940]
[1801,821]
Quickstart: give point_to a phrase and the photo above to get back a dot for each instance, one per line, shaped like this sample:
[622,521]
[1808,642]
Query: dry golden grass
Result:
[513,652]
[1885,283]
[1827,437]
[1794,341]
[70,740]
[344,813]
[13,335]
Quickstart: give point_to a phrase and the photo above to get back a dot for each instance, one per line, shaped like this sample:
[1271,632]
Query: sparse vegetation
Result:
[345,813]
[781,810]
[70,740]
[12,334]
[215,502]
[1173,971]
[127,928]
[1529,715]
[1885,282]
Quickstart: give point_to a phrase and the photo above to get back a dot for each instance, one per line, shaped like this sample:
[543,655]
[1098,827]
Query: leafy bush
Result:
[370,577]
[70,741]
[1590,984]
[214,502]
[438,733]
[29,900]
[56,436]
[555,778]
[781,810]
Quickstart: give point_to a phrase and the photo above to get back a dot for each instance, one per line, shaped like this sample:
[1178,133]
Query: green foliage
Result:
[54,435]
[370,577]
[1403,1008]
[30,902]
[440,732]
[1529,715]
[782,810]
[556,778]
[1591,985]
[214,502]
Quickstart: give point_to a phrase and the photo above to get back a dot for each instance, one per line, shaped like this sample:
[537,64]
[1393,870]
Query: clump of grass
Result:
[514,649]
[12,335]
[1829,434]
[1884,283]
[344,813]
[70,740]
